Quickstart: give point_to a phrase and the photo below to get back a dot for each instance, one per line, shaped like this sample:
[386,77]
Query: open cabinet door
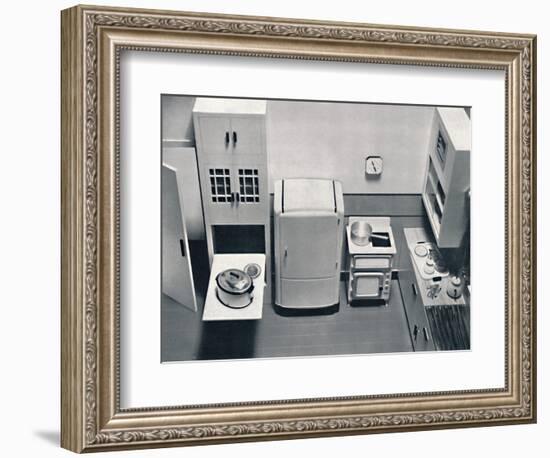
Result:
[177,273]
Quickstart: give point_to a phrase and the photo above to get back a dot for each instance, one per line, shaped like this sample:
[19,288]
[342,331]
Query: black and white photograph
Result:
[250,229]
[305,228]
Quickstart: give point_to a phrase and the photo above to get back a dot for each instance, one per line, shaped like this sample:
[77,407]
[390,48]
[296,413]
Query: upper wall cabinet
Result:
[229,127]
[248,135]
[232,157]
[213,134]
[447,180]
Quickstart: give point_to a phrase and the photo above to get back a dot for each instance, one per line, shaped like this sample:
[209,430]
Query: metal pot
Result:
[234,288]
[361,233]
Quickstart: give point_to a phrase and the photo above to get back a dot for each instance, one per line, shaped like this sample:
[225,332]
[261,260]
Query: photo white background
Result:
[29,233]
[145,76]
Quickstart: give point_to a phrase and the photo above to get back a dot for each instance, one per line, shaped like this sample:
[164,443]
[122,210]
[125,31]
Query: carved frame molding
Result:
[92,39]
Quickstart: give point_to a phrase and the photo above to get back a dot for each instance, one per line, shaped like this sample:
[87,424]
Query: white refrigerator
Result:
[308,230]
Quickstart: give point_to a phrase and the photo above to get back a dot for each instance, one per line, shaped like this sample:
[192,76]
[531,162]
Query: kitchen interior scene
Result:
[306,228]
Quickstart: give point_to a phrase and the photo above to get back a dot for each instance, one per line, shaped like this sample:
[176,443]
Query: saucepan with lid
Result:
[234,288]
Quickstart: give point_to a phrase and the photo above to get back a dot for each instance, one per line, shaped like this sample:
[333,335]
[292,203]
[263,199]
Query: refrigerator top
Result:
[309,194]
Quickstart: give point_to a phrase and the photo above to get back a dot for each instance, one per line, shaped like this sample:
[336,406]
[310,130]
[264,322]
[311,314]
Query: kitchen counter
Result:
[437,327]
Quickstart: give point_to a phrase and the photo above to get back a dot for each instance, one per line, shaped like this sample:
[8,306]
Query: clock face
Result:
[374,165]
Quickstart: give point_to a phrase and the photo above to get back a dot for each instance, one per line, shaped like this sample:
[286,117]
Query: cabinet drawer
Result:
[419,328]
[370,263]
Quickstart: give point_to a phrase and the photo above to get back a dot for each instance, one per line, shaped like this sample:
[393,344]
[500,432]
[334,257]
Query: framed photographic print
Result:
[277,228]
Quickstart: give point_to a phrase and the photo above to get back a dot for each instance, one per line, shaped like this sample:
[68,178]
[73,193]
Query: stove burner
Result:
[421,250]
[429,270]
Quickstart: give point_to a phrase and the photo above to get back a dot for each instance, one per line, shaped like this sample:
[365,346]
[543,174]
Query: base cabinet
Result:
[417,320]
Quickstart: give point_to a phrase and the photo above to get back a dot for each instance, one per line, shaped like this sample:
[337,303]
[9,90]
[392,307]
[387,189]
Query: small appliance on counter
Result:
[309,227]
[236,287]
[371,247]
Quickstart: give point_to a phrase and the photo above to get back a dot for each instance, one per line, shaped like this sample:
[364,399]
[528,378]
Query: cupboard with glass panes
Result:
[230,138]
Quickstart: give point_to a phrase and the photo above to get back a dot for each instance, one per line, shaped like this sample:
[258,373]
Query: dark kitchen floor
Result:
[350,330]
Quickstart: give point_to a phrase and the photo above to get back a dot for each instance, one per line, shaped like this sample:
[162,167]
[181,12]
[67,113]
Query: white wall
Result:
[177,116]
[332,140]
[29,233]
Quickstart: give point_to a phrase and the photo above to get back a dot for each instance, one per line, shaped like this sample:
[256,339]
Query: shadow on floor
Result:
[51,437]
[306,311]
[227,340]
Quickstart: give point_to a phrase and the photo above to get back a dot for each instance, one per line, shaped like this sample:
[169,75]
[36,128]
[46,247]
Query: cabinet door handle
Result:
[234,137]
[415,292]
[226,138]
[182,248]
[415,332]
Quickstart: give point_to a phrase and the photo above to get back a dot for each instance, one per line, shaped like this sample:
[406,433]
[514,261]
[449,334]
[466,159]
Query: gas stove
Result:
[371,248]
[437,285]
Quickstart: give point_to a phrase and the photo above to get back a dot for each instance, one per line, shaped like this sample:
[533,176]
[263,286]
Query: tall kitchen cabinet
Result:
[447,182]
[230,137]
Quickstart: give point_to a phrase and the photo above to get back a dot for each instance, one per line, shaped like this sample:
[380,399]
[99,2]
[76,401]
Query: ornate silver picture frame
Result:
[93,40]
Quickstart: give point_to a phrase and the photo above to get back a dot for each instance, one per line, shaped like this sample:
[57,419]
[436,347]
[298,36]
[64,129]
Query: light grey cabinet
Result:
[212,133]
[447,181]
[177,274]
[248,135]
[417,320]
[230,133]
[232,159]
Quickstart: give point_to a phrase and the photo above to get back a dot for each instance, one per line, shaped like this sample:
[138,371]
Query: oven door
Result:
[367,285]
